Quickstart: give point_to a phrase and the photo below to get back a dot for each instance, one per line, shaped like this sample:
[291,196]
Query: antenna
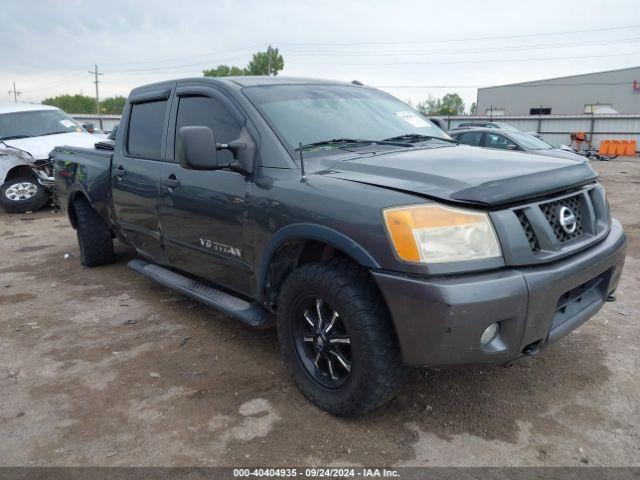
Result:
[303,179]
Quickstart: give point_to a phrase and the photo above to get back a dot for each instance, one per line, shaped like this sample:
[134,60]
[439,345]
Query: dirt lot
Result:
[104,367]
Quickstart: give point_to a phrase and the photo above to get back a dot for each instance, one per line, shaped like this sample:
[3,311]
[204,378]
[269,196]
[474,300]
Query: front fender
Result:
[7,162]
[320,233]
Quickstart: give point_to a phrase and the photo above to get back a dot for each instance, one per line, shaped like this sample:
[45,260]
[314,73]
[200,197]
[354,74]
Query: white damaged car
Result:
[27,134]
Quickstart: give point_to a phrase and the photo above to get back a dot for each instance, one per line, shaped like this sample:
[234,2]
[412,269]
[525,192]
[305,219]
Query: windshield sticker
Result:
[412,119]
[66,123]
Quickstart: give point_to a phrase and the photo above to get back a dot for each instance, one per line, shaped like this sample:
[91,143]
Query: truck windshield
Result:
[36,123]
[316,114]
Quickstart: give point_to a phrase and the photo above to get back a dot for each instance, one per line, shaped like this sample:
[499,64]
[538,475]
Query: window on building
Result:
[540,111]
[599,108]
[145,129]
[495,111]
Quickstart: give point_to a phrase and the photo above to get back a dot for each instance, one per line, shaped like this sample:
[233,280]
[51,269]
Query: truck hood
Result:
[39,147]
[465,174]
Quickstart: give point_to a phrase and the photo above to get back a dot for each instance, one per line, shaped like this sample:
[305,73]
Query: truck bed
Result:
[82,169]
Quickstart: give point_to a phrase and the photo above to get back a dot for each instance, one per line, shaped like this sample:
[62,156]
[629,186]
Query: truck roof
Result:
[24,107]
[246,81]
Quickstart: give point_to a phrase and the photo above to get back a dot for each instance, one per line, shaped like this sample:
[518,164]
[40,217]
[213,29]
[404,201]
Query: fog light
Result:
[489,334]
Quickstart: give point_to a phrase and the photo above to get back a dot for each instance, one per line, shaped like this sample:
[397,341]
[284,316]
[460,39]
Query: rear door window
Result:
[470,138]
[146,125]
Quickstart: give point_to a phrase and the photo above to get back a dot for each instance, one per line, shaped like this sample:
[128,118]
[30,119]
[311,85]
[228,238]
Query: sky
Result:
[411,49]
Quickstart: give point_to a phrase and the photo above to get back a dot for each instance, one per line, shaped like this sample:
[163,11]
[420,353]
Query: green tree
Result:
[72,103]
[450,104]
[269,62]
[113,105]
[431,106]
[224,71]
[473,109]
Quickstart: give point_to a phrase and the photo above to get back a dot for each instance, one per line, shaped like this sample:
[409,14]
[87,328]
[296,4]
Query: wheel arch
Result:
[76,191]
[297,244]
[18,171]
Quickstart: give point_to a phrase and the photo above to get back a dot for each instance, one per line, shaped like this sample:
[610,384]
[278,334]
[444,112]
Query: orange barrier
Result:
[618,147]
[630,149]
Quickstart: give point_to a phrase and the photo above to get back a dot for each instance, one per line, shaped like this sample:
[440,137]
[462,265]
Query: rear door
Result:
[204,213]
[135,173]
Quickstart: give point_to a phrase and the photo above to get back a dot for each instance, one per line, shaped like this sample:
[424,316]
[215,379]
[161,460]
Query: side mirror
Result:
[112,134]
[512,146]
[197,148]
[89,127]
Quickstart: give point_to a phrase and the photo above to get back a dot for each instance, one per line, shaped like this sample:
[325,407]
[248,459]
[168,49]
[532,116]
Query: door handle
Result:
[120,171]
[171,182]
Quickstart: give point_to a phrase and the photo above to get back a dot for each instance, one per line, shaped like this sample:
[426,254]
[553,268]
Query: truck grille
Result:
[528,231]
[554,227]
[551,212]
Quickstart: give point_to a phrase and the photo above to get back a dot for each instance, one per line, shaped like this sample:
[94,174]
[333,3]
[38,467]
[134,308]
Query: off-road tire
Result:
[94,237]
[377,370]
[36,202]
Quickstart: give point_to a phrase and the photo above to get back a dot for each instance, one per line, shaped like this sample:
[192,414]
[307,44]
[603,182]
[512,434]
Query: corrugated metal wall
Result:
[555,129]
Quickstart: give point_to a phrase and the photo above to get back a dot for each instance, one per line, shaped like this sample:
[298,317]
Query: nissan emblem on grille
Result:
[567,220]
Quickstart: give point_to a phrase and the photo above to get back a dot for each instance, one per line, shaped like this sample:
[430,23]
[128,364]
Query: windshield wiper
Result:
[416,137]
[352,141]
[15,137]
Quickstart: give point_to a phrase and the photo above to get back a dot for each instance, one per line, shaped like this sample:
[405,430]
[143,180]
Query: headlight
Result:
[434,233]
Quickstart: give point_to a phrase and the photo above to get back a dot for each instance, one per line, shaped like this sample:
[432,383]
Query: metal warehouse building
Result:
[613,91]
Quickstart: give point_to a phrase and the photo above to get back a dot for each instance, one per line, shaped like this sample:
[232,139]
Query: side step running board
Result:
[250,314]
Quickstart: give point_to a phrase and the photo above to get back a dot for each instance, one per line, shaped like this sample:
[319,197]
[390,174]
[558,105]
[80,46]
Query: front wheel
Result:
[23,194]
[336,337]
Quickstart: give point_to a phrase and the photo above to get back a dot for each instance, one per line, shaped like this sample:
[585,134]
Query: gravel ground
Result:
[104,367]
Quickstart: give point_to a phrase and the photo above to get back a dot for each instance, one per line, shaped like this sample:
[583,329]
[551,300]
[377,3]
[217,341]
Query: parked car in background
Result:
[511,140]
[27,134]
[91,128]
[483,124]
[491,124]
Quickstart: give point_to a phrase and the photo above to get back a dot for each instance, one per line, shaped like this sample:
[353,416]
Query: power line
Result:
[378,53]
[499,37]
[528,85]
[462,62]
[468,39]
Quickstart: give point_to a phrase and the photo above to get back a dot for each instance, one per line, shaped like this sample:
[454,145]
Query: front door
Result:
[135,177]
[203,213]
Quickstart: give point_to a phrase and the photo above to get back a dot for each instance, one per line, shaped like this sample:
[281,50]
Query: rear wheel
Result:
[23,194]
[94,237]
[337,338]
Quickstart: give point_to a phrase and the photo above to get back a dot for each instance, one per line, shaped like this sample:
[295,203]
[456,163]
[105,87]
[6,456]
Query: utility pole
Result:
[15,93]
[95,73]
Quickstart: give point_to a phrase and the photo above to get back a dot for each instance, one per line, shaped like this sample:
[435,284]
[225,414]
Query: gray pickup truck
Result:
[365,233]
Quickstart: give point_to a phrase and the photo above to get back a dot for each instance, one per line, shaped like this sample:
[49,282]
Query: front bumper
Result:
[439,320]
